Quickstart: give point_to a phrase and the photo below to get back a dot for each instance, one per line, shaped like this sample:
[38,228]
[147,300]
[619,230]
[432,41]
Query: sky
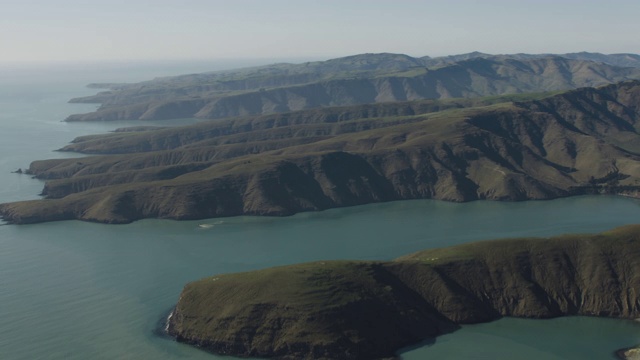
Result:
[125,30]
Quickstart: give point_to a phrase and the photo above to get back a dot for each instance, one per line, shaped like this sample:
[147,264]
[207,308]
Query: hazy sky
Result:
[79,30]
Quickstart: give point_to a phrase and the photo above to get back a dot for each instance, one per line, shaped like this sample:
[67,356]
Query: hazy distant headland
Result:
[519,146]
[358,79]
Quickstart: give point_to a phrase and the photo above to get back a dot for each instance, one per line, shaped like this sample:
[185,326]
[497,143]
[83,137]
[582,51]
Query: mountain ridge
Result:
[578,142]
[358,79]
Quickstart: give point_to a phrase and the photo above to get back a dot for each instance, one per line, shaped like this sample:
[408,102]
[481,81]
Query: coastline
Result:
[103,309]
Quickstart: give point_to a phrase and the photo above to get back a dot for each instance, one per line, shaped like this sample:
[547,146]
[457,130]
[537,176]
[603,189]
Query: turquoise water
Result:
[556,339]
[74,290]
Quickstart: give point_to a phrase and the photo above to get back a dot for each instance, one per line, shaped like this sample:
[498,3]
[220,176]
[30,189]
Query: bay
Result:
[74,290]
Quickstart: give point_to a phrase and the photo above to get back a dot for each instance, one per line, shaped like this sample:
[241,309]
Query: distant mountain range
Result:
[622,60]
[522,147]
[353,80]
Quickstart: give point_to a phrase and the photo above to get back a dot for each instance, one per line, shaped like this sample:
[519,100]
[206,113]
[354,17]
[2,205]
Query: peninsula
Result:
[370,310]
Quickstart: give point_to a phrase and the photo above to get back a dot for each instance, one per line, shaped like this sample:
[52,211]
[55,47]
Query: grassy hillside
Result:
[579,142]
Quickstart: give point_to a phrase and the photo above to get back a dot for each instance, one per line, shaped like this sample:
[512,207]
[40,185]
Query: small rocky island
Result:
[370,310]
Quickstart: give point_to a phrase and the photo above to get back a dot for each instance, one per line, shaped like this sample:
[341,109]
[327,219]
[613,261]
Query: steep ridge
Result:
[369,310]
[578,142]
[473,77]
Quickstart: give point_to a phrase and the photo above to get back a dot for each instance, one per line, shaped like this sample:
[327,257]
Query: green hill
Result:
[369,310]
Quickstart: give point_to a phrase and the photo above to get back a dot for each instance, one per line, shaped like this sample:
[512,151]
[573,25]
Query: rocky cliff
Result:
[369,310]
[579,142]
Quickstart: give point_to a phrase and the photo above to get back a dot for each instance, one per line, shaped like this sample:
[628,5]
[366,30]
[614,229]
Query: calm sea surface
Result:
[74,290]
